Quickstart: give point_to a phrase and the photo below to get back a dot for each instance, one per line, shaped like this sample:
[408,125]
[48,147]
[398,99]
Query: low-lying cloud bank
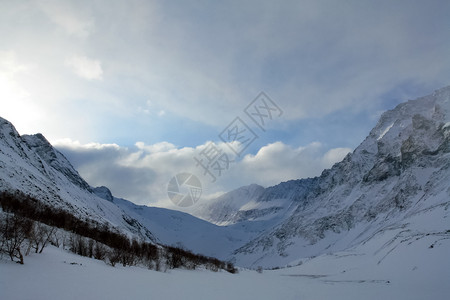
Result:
[141,173]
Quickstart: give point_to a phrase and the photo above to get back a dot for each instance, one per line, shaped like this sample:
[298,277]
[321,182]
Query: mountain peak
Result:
[7,129]
[397,170]
[104,193]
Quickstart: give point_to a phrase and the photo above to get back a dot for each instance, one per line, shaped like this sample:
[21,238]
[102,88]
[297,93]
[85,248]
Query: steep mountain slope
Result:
[374,226]
[400,171]
[394,187]
[30,164]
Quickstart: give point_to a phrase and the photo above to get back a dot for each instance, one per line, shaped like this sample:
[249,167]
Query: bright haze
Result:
[132,91]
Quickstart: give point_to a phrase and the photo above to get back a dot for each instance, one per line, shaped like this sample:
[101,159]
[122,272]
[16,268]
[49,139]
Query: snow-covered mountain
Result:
[398,178]
[394,187]
[31,165]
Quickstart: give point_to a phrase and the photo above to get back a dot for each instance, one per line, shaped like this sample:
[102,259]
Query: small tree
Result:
[40,236]
[90,252]
[230,268]
[113,257]
[99,251]
[15,230]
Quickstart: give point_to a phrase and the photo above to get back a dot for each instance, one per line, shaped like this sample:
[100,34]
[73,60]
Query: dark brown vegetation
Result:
[27,224]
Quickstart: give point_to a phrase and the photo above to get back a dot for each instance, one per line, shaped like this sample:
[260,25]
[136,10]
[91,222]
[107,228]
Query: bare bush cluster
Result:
[27,224]
[20,235]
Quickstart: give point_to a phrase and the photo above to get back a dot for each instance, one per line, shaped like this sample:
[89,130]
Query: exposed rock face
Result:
[402,167]
[398,175]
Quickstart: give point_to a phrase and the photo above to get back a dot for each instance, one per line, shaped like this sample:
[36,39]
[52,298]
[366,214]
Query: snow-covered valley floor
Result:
[406,273]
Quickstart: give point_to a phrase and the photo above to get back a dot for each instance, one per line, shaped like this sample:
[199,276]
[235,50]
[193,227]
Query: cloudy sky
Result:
[132,91]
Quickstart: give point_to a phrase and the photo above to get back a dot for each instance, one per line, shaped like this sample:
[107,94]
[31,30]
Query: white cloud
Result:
[278,162]
[334,155]
[158,147]
[85,67]
[312,58]
[202,64]
[89,146]
[141,174]
[15,100]
[10,69]
[72,18]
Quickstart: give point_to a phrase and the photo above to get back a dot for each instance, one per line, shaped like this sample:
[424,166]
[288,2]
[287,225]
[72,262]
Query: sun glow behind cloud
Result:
[16,100]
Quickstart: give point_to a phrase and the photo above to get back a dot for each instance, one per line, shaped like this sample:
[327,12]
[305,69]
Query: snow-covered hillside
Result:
[394,187]
[30,164]
[355,274]
[183,230]
[400,171]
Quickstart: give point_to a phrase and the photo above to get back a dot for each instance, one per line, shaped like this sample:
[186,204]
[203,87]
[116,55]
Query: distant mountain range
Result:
[397,180]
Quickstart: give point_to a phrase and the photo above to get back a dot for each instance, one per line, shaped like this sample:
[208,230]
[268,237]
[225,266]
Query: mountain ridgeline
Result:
[400,171]
[396,181]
